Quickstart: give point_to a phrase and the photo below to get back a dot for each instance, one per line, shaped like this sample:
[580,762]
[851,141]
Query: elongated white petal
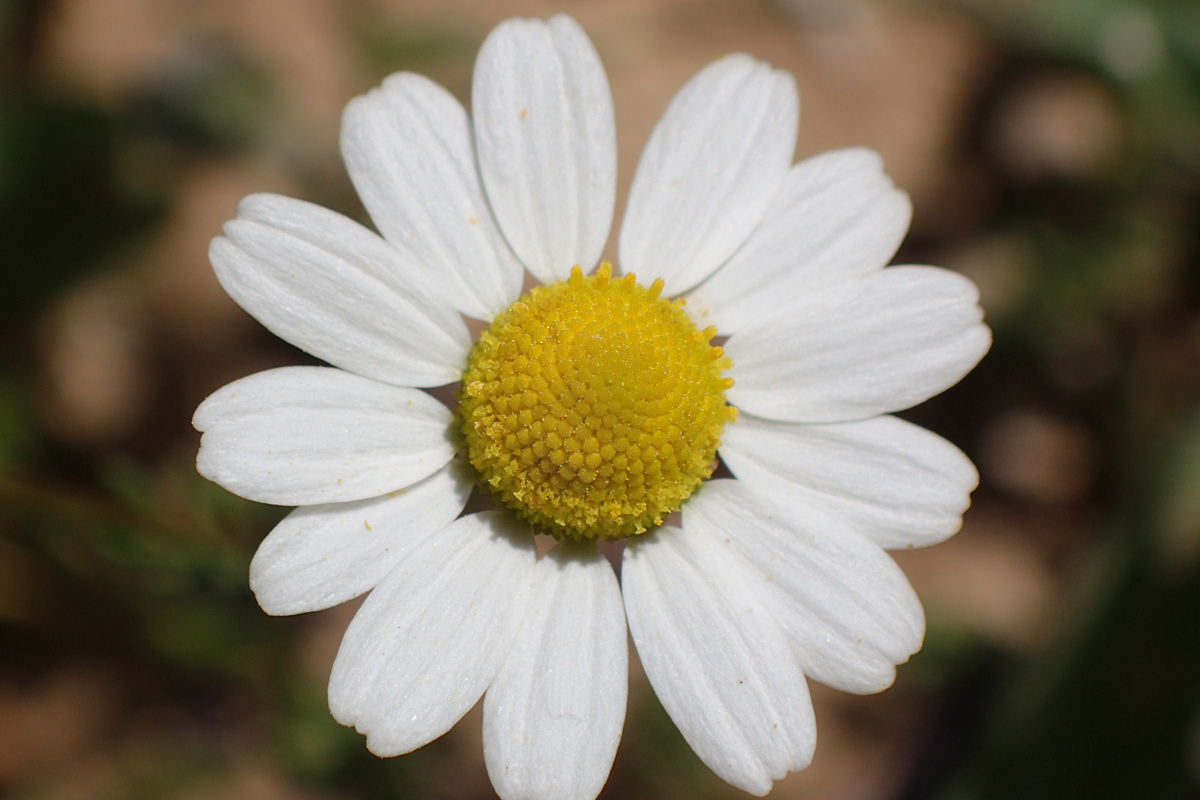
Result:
[410,152]
[304,435]
[334,289]
[709,172]
[552,719]
[876,344]
[717,659]
[896,482]
[433,634]
[837,216]
[848,610]
[547,142]
[320,556]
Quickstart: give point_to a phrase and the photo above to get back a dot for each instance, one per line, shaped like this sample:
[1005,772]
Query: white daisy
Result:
[592,409]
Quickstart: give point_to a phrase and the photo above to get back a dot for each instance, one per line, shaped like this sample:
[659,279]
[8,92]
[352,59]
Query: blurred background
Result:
[1052,151]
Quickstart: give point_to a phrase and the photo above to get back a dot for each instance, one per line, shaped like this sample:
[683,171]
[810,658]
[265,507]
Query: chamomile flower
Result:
[592,408]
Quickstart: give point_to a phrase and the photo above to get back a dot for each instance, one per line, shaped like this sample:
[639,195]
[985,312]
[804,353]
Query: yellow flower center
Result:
[593,407]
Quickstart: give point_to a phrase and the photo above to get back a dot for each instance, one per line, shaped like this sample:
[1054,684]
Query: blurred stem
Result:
[59,502]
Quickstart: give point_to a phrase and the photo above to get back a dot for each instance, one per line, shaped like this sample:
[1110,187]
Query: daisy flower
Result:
[594,408]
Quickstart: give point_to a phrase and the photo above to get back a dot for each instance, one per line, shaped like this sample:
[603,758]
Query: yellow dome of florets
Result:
[593,407]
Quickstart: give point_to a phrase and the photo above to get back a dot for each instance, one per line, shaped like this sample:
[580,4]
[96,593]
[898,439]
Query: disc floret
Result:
[593,407]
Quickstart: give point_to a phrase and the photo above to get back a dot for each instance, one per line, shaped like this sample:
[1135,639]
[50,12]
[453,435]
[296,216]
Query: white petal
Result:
[716,658]
[879,343]
[848,610]
[320,556]
[432,636]
[303,435]
[334,289]
[837,216]
[552,719]
[709,172]
[547,142]
[896,482]
[410,152]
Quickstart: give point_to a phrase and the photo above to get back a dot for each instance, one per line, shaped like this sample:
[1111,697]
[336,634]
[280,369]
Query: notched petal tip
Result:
[564,23]
[385,747]
[267,207]
[210,408]
[513,26]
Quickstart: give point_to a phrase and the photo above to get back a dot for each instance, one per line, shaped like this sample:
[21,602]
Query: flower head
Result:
[592,407]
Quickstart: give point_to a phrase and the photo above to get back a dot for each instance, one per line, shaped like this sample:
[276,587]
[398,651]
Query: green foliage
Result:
[215,100]
[389,49]
[63,210]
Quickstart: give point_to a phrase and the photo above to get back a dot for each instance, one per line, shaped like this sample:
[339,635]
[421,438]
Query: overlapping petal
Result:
[335,289]
[717,658]
[709,172]
[896,482]
[320,556]
[846,607]
[410,151]
[552,719]
[303,435]
[872,345]
[547,142]
[837,216]
[434,633]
